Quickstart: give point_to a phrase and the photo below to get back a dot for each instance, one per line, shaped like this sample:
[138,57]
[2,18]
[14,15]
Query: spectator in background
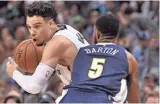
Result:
[94,14]
[3,74]
[153,63]
[14,96]
[11,13]
[2,56]
[141,7]
[20,34]
[6,31]
[141,52]
[66,16]
[78,23]
[152,98]
[150,85]
[60,7]
[76,19]
[124,22]
[122,40]
[143,31]
[8,44]
[31,98]
[12,99]
[63,12]
[3,90]
[154,11]
[47,97]
[138,22]
[111,6]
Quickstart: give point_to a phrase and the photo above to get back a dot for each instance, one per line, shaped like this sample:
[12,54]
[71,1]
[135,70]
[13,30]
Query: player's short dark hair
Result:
[16,99]
[108,25]
[129,11]
[41,8]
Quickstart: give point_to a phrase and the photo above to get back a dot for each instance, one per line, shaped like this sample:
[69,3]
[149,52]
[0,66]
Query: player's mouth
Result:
[34,40]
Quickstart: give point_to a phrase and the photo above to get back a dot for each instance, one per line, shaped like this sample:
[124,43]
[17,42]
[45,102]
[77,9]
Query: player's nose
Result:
[33,33]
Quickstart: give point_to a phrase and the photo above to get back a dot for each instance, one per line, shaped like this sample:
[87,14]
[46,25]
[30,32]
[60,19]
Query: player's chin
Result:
[39,44]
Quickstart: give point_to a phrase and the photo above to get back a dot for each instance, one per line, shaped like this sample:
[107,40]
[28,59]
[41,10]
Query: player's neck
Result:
[53,31]
[106,41]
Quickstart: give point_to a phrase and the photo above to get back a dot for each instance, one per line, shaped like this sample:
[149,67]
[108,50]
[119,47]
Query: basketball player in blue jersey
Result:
[105,72]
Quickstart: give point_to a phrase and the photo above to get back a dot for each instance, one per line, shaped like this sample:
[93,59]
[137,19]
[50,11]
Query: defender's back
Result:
[101,68]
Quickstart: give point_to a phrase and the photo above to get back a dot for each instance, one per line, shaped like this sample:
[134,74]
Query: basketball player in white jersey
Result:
[62,45]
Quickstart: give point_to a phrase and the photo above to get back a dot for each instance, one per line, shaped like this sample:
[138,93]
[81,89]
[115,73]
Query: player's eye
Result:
[37,27]
[28,27]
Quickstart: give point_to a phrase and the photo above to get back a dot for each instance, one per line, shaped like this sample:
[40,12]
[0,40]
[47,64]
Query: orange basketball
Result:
[28,55]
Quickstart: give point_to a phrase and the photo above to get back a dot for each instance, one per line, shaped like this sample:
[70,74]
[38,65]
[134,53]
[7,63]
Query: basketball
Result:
[28,55]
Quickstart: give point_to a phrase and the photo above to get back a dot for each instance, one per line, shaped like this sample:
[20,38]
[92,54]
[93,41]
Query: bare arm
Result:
[53,51]
[34,84]
[134,93]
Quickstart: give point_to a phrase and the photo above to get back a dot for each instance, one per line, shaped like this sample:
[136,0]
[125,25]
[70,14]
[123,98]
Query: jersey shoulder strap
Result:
[73,35]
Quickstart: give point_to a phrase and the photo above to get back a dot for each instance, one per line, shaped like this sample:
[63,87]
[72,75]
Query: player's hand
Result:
[11,67]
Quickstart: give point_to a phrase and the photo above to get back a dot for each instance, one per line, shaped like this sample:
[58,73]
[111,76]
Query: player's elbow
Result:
[32,88]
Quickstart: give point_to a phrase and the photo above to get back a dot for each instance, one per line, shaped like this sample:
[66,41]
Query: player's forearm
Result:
[27,82]
[34,84]
[134,94]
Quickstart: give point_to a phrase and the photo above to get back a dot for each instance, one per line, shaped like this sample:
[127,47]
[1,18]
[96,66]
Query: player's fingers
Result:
[8,63]
[11,60]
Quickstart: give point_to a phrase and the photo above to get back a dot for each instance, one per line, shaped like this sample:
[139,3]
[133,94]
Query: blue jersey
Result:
[101,68]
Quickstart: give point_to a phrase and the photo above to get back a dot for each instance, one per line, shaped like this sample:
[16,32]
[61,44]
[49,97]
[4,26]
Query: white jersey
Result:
[73,35]
[78,40]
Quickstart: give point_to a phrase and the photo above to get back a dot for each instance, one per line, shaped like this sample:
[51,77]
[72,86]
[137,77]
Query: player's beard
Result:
[94,39]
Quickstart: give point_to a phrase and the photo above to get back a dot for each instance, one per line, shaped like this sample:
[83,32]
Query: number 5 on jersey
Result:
[96,68]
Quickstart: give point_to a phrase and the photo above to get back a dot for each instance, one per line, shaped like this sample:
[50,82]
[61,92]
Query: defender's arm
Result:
[134,93]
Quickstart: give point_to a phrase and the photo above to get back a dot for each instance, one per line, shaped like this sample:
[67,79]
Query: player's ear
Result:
[96,34]
[51,22]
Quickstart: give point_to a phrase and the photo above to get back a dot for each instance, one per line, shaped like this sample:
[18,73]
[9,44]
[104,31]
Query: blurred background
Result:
[139,34]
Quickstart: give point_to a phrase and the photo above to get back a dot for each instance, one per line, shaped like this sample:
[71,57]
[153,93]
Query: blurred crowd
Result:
[139,34]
